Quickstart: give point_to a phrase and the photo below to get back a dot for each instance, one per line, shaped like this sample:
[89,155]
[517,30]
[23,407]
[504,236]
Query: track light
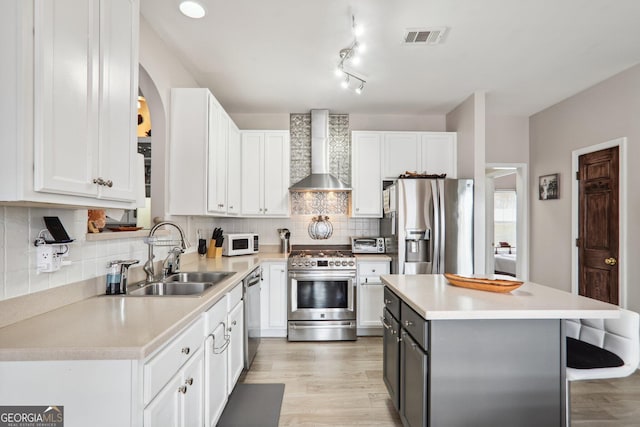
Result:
[351,54]
[358,30]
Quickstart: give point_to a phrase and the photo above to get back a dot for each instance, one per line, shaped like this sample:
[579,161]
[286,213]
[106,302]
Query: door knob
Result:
[610,261]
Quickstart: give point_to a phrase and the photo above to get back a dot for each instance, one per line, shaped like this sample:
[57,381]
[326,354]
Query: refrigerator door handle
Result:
[442,226]
[435,239]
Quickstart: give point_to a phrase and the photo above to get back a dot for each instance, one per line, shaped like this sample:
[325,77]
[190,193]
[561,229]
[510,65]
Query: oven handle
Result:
[330,326]
[322,274]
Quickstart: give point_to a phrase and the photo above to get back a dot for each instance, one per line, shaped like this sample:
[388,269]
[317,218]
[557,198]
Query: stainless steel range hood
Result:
[320,178]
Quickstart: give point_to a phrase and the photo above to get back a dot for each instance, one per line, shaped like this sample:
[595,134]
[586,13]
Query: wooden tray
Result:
[483,284]
[124,228]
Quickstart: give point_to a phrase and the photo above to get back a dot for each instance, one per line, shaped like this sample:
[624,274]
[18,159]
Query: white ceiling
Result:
[279,56]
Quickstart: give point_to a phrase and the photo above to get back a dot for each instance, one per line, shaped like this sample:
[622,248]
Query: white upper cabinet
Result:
[217,171]
[439,153]
[421,152]
[265,173]
[73,140]
[366,155]
[204,157]
[401,153]
[234,170]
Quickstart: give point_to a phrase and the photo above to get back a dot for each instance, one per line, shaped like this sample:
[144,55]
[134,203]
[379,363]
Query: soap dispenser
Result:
[117,276]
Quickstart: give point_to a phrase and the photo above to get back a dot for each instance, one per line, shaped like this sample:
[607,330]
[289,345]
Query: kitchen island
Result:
[462,357]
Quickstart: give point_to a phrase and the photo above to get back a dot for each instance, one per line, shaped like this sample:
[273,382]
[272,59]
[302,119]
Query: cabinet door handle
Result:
[109,183]
[385,323]
[265,209]
[182,389]
[223,347]
[98,181]
[189,381]
[408,323]
[230,207]
[387,301]
[186,350]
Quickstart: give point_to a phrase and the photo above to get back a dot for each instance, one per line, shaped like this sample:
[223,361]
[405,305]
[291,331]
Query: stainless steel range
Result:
[322,294]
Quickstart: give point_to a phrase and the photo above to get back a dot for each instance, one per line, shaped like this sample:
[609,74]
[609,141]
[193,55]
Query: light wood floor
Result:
[340,384]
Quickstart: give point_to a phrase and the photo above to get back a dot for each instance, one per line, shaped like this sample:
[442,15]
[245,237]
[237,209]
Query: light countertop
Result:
[372,257]
[431,296]
[120,327]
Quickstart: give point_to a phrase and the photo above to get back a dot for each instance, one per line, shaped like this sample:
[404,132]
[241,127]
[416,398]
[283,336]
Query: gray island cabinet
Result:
[463,357]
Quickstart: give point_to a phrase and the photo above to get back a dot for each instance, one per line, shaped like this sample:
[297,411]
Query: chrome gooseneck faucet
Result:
[184,244]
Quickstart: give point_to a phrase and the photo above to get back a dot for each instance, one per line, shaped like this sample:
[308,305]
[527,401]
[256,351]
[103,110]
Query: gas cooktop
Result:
[321,258]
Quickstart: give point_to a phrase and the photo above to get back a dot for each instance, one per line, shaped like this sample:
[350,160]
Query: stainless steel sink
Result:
[186,283]
[199,276]
[172,288]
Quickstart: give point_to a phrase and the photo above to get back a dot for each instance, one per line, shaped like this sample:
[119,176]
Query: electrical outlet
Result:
[47,258]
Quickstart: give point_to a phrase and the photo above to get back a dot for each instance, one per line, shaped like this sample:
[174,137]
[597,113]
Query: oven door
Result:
[322,295]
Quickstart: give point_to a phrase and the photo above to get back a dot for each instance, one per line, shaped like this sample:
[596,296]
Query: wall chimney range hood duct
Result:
[320,178]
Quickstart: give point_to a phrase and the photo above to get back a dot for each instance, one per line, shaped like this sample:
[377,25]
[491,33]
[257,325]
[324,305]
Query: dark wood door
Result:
[598,225]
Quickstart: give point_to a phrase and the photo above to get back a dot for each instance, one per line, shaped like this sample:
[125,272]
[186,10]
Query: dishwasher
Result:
[251,292]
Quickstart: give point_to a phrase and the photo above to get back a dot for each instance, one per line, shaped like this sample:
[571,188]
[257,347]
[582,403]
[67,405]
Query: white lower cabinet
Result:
[180,402]
[224,353]
[184,383]
[370,296]
[236,335]
[215,363]
[273,300]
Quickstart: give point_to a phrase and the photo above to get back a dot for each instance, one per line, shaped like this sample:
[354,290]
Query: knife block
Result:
[213,251]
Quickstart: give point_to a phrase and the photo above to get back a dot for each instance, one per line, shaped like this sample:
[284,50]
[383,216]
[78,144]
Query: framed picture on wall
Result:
[548,186]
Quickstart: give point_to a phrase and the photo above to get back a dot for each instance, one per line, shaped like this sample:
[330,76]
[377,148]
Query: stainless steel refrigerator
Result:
[428,225]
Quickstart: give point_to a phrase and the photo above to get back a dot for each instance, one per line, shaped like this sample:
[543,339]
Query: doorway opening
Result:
[506,186]
[599,222]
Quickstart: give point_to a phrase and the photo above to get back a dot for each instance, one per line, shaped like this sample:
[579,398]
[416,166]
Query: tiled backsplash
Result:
[267,228]
[339,147]
[19,228]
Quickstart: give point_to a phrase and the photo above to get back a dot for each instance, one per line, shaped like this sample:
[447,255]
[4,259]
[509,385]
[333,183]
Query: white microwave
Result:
[239,244]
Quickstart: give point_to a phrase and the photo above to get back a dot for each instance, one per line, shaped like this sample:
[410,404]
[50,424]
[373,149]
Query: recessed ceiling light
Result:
[192,9]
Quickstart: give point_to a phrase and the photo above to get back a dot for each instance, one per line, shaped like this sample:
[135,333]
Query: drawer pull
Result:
[186,350]
[189,381]
[182,389]
[408,323]
[387,301]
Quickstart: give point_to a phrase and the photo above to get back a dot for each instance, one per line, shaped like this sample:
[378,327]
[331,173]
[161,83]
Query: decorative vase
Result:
[320,227]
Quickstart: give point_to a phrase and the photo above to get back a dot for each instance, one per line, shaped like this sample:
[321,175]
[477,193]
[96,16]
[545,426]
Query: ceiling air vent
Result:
[425,36]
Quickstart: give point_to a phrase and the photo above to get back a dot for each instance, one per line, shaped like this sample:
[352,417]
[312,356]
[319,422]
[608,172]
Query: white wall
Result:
[608,110]
[19,228]
[507,139]
[506,182]
[161,71]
